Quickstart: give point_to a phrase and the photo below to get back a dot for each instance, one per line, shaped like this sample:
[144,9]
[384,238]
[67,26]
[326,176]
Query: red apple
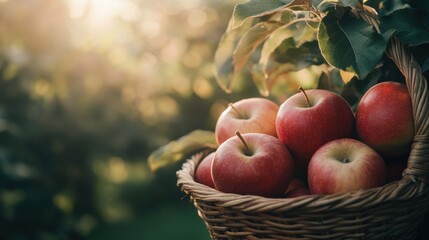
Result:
[203,172]
[308,120]
[296,188]
[253,164]
[251,115]
[345,165]
[384,119]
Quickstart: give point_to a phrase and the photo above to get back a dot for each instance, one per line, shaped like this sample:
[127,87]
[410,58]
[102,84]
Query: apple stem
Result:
[236,110]
[346,160]
[246,147]
[306,97]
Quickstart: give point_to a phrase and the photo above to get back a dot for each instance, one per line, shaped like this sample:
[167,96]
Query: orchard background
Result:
[88,89]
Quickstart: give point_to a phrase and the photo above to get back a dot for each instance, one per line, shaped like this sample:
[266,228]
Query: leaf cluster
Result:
[271,38]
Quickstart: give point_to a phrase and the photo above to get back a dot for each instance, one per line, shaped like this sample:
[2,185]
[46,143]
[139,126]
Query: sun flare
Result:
[102,12]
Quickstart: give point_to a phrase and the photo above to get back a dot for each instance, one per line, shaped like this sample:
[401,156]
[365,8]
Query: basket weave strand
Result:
[418,162]
[393,211]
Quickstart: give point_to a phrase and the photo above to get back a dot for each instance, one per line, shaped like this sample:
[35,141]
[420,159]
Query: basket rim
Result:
[401,190]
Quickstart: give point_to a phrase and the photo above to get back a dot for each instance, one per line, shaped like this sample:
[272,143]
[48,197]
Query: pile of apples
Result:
[313,143]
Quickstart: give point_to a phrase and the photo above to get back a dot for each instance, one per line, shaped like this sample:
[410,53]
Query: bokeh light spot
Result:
[63,202]
[167,106]
[197,18]
[86,223]
[203,88]
[117,169]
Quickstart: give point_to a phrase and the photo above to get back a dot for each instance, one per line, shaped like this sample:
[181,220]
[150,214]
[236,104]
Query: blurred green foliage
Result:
[88,89]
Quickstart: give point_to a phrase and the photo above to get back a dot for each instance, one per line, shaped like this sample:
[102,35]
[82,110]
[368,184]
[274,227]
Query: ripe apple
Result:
[203,172]
[252,164]
[296,188]
[308,120]
[344,165]
[251,115]
[384,119]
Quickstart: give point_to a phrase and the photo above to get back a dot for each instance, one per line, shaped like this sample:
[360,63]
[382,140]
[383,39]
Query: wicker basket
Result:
[393,211]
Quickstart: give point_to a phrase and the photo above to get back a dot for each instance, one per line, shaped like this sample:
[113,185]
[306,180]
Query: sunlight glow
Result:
[151,28]
[100,13]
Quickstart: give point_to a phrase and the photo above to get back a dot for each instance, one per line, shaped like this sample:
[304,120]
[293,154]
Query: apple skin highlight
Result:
[345,165]
[384,119]
[266,171]
[251,115]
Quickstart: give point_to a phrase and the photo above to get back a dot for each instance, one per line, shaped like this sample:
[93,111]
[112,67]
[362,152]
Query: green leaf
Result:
[425,65]
[271,69]
[258,8]
[326,5]
[301,30]
[250,41]
[316,3]
[280,45]
[349,3]
[286,59]
[376,4]
[331,80]
[350,44]
[410,25]
[304,56]
[345,3]
[254,8]
[265,79]
[224,67]
[258,76]
[287,15]
[177,150]
[390,6]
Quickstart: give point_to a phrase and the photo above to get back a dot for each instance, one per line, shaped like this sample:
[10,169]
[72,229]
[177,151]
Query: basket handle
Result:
[417,85]
[418,161]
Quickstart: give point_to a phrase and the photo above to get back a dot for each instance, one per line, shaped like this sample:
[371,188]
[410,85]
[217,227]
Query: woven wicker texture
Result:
[393,211]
